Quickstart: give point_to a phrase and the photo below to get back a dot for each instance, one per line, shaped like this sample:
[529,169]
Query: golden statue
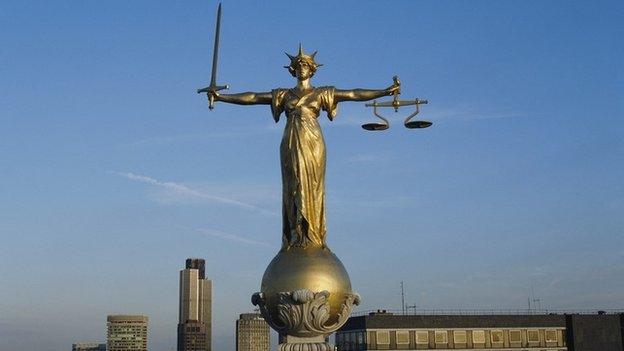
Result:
[302,150]
[305,293]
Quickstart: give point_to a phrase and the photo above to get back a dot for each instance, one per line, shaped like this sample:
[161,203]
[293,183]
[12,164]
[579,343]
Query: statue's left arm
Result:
[364,94]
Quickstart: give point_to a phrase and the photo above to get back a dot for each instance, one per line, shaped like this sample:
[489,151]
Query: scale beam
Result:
[396,103]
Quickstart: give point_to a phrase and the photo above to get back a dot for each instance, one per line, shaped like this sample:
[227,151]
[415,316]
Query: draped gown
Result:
[302,156]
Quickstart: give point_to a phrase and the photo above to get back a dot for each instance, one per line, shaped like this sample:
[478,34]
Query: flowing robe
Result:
[302,156]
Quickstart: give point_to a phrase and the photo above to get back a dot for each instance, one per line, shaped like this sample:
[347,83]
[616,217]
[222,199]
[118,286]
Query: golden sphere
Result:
[312,268]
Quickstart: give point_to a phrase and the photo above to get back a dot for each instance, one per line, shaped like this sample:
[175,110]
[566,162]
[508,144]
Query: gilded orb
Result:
[311,280]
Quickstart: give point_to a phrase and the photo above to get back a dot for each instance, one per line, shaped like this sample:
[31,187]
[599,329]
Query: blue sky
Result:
[113,171]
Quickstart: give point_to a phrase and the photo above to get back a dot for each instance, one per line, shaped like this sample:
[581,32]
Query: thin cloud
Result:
[367,158]
[184,190]
[231,237]
[193,137]
[468,113]
[387,202]
[348,120]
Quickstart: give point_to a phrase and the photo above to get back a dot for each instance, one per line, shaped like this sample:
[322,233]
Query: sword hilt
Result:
[213,88]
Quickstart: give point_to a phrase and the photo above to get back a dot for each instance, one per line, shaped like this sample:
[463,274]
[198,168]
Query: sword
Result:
[215,57]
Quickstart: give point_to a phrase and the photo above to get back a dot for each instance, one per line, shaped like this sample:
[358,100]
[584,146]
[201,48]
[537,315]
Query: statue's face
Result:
[303,71]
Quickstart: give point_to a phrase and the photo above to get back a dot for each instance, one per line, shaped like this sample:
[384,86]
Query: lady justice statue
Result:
[305,294]
[302,151]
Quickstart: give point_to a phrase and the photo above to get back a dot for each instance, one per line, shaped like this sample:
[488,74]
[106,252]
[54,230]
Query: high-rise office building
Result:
[127,333]
[252,333]
[88,346]
[195,321]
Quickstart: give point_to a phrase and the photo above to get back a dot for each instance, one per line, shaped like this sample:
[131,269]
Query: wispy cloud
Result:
[367,158]
[357,204]
[468,113]
[433,113]
[193,137]
[232,237]
[183,190]
[348,119]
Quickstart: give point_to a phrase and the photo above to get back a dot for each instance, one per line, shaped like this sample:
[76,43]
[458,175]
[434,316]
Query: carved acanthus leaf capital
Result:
[305,313]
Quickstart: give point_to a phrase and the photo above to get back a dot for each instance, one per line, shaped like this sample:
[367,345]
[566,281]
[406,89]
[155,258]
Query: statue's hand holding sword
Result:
[212,89]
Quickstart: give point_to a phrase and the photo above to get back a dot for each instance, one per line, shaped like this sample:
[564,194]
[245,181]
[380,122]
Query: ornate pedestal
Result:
[305,296]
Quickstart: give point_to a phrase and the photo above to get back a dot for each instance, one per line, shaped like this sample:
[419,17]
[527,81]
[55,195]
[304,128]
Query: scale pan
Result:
[418,124]
[375,126]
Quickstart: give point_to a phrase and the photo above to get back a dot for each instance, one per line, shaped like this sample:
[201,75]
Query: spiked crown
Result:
[301,57]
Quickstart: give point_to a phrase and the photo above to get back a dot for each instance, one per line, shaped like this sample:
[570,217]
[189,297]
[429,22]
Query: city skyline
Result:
[113,170]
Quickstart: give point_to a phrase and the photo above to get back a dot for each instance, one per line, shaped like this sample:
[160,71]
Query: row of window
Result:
[193,329]
[496,337]
[116,328]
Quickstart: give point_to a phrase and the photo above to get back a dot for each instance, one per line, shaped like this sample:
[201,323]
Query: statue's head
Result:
[302,66]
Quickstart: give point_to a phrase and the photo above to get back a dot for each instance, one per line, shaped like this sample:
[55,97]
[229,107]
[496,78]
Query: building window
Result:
[441,336]
[497,336]
[402,337]
[459,336]
[515,336]
[360,338]
[345,341]
[478,336]
[383,337]
[551,335]
[422,337]
[533,335]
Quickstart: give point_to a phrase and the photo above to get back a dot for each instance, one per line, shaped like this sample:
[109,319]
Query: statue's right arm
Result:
[247,98]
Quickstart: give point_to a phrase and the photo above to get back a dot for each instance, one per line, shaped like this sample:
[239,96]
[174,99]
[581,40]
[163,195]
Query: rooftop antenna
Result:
[402,298]
[536,301]
[537,304]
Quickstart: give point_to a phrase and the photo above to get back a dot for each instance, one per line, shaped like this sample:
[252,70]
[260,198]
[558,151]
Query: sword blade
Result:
[215,51]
